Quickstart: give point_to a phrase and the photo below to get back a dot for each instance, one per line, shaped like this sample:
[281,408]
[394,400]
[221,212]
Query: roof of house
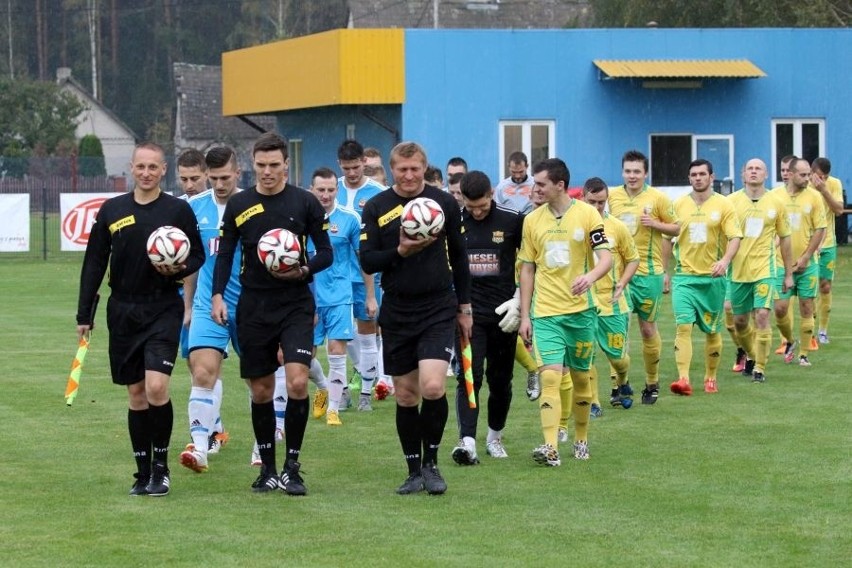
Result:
[199,89]
[514,14]
[65,79]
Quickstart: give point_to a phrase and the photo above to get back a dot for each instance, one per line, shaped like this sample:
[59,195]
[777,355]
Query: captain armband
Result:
[597,238]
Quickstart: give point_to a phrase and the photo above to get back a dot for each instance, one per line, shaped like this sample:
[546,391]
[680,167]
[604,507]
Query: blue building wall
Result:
[460,83]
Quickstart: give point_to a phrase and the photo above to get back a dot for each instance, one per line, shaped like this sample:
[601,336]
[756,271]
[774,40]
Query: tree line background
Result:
[123,50]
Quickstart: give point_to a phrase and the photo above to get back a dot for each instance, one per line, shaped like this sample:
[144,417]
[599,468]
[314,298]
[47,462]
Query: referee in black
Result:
[426,286]
[275,310]
[493,236]
[145,310]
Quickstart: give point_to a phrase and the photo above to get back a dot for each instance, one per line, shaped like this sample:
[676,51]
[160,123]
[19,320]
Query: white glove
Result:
[512,319]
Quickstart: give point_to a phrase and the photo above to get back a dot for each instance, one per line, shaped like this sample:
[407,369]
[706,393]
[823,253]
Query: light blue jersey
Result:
[362,195]
[209,215]
[333,286]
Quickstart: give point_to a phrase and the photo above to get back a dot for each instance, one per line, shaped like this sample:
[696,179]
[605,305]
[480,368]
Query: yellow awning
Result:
[679,69]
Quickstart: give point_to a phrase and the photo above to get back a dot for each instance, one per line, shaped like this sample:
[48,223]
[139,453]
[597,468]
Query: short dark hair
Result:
[374,170]
[350,150]
[789,158]
[455,178]
[433,175]
[270,142]
[822,164]
[220,156]
[795,162]
[518,158]
[594,185]
[457,161]
[700,162]
[556,169]
[475,184]
[191,158]
[324,173]
[371,152]
[635,156]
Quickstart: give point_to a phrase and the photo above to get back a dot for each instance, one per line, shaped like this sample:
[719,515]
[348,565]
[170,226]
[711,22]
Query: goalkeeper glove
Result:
[512,319]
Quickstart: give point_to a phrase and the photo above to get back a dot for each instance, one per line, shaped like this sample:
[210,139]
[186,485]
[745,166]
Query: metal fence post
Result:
[44,220]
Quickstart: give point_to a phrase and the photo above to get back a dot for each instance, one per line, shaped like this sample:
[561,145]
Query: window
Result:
[803,137]
[295,154]
[536,139]
[672,153]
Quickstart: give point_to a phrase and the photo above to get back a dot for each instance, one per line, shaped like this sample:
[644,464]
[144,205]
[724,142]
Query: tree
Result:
[722,13]
[90,157]
[36,114]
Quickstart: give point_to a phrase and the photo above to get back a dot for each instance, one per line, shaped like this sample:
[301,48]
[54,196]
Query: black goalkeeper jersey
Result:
[438,268]
[119,240]
[492,247]
[249,214]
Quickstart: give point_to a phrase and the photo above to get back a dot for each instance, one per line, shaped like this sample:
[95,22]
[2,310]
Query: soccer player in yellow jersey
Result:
[832,193]
[557,276]
[614,311]
[806,214]
[708,240]
[784,323]
[762,218]
[649,215]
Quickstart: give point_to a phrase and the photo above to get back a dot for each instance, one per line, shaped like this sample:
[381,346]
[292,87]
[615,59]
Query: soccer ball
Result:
[279,250]
[168,246]
[422,217]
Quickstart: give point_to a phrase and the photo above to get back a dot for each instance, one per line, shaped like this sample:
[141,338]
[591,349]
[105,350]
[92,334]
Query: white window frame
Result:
[526,141]
[797,124]
[694,138]
[730,138]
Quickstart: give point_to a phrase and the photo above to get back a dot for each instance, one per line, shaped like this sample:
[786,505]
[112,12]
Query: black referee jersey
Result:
[119,239]
[492,250]
[438,268]
[249,214]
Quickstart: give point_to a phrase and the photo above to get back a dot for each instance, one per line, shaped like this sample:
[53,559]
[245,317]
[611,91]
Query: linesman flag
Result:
[467,366]
[73,385]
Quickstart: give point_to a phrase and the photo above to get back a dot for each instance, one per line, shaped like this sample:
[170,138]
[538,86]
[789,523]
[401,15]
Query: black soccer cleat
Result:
[291,480]
[432,480]
[749,368]
[267,481]
[158,486]
[413,484]
[140,486]
[650,394]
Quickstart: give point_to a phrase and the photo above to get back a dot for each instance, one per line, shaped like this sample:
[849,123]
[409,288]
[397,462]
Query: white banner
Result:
[77,213]
[15,222]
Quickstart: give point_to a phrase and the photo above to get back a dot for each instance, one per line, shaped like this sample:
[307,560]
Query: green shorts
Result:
[748,296]
[699,300]
[827,260]
[805,283]
[612,335]
[645,293]
[566,340]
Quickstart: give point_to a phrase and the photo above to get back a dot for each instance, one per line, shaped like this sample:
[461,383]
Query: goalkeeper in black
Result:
[426,286]
[145,309]
[493,237]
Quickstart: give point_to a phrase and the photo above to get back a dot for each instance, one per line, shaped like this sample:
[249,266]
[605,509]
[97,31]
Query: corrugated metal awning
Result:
[679,69]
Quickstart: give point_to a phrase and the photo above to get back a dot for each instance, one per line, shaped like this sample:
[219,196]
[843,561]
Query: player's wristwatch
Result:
[465,311]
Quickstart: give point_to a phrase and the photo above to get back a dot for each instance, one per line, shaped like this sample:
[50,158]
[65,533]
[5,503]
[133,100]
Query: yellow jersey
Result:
[623,252]
[760,221]
[561,250]
[629,210]
[835,189]
[705,230]
[805,214]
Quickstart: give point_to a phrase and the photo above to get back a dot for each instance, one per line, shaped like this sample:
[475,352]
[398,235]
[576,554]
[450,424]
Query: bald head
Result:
[754,173]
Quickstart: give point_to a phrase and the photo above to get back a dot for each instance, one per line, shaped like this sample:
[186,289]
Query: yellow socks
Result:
[566,393]
[762,346]
[550,405]
[785,325]
[823,310]
[746,340]
[523,357]
[712,354]
[683,349]
[806,333]
[729,325]
[582,404]
[651,354]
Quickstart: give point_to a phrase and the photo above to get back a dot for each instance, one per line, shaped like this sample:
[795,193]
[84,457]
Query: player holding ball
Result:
[145,311]
[276,307]
[425,298]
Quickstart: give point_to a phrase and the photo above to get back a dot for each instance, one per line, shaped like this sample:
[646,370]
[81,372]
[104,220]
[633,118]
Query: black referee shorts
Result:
[269,318]
[413,330]
[143,336]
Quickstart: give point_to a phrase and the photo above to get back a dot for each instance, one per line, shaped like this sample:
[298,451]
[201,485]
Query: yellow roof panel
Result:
[679,69]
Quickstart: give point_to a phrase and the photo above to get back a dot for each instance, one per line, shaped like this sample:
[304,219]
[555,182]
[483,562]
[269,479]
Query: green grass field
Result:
[758,475]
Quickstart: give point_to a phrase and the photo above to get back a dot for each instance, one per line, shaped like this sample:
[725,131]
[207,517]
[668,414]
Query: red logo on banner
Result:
[78,222]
